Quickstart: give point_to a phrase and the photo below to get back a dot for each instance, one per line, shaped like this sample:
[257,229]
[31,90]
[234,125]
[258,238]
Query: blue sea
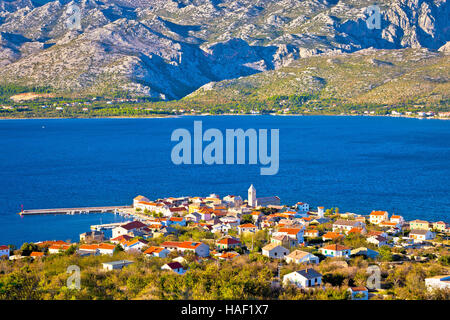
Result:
[355,163]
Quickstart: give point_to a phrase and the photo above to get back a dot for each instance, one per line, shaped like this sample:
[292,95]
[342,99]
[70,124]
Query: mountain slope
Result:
[365,77]
[168,49]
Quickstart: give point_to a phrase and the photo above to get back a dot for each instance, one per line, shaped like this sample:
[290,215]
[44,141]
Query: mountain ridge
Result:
[169,49]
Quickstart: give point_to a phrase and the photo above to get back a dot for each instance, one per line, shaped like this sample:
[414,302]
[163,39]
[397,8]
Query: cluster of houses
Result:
[289,229]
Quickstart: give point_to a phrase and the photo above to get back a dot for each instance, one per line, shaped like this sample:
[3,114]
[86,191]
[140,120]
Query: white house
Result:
[95,249]
[162,208]
[4,251]
[345,226]
[233,201]
[377,240]
[378,216]
[221,227]
[193,217]
[298,256]
[175,267]
[130,227]
[115,265]
[440,226]
[198,248]
[136,245]
[335,250]
[293,233]
[247,227]
[397,219]
[421,235]
[57,248]
[438,282]
[139,199]
[275,251]
[159,252]
[106,248]
[306,278]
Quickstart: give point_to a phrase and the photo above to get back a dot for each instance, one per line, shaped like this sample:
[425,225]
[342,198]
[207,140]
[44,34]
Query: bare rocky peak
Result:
[169,48]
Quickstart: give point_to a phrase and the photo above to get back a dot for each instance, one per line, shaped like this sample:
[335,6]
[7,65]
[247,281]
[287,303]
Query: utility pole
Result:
[279,270]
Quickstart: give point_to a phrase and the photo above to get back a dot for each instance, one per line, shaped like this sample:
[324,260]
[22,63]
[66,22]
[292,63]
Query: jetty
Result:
[71,211]
[100,227]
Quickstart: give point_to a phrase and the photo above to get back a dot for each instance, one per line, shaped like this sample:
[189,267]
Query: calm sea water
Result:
[355,163]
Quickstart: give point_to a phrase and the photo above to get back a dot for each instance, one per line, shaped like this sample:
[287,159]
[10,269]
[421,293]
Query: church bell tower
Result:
[252,196]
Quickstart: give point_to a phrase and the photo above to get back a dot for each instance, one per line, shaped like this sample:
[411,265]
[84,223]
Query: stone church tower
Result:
[252,196]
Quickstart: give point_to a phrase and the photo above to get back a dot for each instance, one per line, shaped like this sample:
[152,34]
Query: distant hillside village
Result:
[300,240]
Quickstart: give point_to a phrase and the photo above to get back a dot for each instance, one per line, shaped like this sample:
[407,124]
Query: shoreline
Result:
[73,118]
[224,114]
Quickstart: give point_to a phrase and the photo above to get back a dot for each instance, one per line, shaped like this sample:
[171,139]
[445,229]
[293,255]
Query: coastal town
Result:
[307,250]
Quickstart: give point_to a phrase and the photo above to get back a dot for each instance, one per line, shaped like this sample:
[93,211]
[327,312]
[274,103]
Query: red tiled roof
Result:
[378,213]
[175,265]
[130,243]
[106,246]
[291,231]
[123,238]
[36,254]
[332,235]
[228,241]
[179,244]
[176,219]
[60,246]
[336,247]
[52,242]
[133,225]
[153,250]
[247,225]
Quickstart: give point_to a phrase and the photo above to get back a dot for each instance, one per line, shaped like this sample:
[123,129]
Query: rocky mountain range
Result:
[167,49]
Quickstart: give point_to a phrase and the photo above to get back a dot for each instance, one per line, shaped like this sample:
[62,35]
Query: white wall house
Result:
[233,201]
[275,251]
[335,250]
[421,235]
[347,225]
[175,267]
[198,248]
[397,219]
[159,252]
[136,245]
[154,207]
[298,256]
[127,228]
[116,265]
[377,240]
[293,233]
[303,279]
[221,227]
[378,216]
[139,199]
